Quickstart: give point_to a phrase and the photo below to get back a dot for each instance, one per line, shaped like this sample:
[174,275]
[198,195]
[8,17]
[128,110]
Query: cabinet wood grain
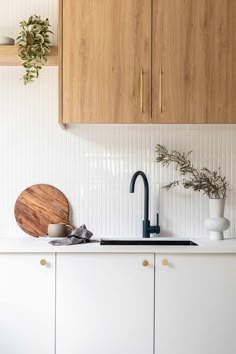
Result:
[106,61]
[194,46]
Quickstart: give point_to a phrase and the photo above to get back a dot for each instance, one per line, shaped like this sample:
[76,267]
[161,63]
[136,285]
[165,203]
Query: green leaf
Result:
[33,45]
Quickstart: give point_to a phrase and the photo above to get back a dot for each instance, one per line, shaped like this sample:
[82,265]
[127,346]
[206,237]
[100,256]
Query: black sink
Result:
[145,242]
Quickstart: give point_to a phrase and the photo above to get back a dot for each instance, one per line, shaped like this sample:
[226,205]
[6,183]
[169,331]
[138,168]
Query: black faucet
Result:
[147,229]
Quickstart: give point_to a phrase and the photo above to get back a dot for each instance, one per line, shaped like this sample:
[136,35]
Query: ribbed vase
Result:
[216,223]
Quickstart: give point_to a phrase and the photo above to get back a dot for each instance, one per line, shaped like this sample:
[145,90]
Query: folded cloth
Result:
[77,236]
[82,232]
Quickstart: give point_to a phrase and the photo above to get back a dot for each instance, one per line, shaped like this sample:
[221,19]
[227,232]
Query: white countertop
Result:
[30,244]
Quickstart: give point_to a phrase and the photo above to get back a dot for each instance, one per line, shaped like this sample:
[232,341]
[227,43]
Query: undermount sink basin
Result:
[145,242]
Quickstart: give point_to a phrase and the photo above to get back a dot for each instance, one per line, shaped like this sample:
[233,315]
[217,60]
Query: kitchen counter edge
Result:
[35,245]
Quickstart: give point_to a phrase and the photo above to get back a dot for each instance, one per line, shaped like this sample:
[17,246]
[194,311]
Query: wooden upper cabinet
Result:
[106,61]
[194,61]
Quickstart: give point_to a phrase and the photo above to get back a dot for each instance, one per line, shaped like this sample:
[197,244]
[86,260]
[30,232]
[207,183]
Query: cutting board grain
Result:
[38,206]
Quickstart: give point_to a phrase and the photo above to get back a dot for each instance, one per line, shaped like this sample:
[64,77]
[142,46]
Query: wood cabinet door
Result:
[195,307]
[106,61]
[194,56]
[105,303]
[27,304]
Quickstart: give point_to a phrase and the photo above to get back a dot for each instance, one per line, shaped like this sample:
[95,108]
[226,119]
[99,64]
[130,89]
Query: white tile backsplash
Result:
[93,164]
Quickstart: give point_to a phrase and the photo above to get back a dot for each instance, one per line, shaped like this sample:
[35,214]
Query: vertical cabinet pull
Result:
[160,90]
[141,91]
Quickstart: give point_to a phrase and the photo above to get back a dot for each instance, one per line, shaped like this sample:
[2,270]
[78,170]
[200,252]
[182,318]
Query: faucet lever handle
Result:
[157,219]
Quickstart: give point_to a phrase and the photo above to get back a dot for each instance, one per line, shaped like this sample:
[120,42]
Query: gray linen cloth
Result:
[77,236]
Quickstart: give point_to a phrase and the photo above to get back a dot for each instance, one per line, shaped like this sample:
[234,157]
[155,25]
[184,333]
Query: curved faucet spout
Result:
[147,229]
[146,191]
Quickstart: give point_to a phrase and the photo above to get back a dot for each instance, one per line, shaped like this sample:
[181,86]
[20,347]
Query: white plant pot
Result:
[216,223]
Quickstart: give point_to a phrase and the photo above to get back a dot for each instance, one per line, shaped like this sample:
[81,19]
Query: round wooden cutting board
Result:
[38,206]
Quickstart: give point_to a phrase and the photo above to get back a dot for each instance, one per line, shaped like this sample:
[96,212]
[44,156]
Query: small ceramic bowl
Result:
[6,41]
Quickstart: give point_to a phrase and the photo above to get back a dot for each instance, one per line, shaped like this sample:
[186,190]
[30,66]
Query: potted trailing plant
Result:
[33,46]
[209,182]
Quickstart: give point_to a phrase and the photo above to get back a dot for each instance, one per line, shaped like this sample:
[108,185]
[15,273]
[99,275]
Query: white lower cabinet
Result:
[27,304]
[117,303]
[195,304]
[105,304]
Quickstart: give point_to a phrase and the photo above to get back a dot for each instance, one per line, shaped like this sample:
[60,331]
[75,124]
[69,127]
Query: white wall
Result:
[93,164]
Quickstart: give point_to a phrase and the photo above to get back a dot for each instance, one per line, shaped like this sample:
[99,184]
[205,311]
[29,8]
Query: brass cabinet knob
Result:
[43,262]
[165,262]
[145,263]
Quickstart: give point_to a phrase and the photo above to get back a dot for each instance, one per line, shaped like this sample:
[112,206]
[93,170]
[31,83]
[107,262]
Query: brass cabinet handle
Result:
[160,91]
[141,91]
[43,262]
[165,262]
[145,263]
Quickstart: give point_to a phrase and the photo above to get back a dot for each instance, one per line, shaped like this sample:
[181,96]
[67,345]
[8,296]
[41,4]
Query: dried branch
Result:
[209,182]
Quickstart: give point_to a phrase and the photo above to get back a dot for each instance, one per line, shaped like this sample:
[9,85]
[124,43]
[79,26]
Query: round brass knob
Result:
[145,263]
[165,262]
[43,262]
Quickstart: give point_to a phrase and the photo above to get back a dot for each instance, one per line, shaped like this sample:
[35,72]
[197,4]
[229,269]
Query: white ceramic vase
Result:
[216,223]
